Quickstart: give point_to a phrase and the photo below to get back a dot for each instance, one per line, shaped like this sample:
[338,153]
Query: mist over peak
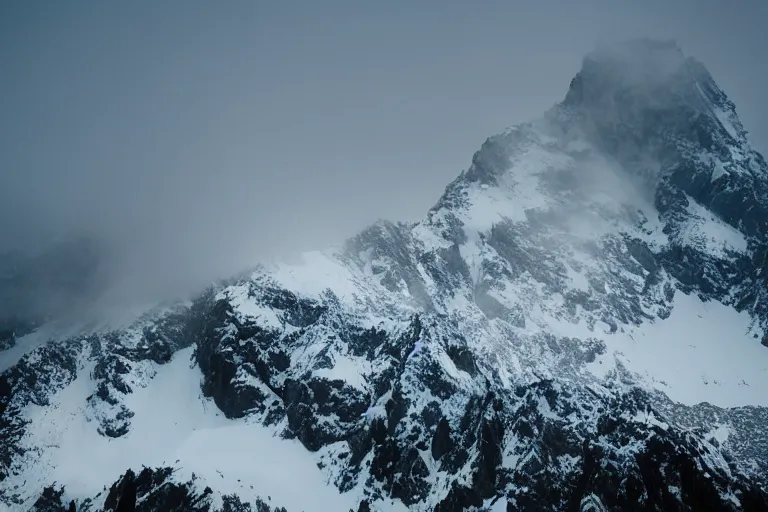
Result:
[220,139]
[639,100]
[643,77]
[635,61]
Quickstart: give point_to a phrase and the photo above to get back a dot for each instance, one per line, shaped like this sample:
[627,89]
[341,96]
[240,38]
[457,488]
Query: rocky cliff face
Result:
[575,325]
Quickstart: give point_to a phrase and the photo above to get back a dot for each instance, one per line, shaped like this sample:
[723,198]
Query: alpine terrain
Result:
[579,323]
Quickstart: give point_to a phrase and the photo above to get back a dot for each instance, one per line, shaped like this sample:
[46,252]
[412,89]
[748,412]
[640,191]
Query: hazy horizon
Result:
[202,138]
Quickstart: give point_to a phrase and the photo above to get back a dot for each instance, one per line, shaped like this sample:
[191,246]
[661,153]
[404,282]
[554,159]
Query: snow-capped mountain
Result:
[577,324]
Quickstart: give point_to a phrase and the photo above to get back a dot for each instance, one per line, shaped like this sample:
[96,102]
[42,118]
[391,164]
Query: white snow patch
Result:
[500,505]
[718,171]
[349,369]
[518,190]
[235,457]
[720,433]
[378,407]
[705,231]
[726,122]
[417,347]
[317,272]
[490,206]
[375,411]
[649,418]
[703,352]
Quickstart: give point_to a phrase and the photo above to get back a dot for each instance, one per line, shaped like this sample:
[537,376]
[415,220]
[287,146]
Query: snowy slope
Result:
[172,424]
[577,323]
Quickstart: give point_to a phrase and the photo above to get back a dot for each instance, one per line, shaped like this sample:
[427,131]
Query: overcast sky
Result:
[205,135]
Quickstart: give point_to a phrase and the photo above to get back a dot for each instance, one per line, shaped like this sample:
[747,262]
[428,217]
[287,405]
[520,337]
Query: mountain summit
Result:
[661,113]
[577,324]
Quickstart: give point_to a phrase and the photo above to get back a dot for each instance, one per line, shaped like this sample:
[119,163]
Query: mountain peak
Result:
[638,65]
[650,84]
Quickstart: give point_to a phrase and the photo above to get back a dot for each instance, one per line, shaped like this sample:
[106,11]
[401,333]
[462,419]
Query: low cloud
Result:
[193,143]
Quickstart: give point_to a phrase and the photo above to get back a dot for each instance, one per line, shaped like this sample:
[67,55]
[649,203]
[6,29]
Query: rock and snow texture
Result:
[578,323]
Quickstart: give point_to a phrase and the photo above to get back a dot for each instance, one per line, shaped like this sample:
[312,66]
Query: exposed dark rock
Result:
[50,501]
[442,442]
[153,490]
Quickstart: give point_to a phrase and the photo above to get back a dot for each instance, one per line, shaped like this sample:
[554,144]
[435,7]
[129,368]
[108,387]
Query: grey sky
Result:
[206,135]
